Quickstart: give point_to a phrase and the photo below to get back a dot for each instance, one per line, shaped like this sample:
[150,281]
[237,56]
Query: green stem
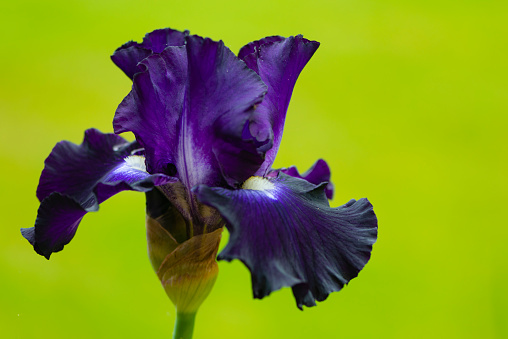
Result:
[184,325]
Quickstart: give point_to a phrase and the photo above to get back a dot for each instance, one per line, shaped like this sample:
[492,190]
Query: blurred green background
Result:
[407,101]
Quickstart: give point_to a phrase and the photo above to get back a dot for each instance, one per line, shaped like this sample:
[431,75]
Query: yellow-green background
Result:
[406,100]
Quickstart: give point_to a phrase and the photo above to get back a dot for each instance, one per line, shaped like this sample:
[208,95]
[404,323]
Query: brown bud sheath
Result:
[189,272]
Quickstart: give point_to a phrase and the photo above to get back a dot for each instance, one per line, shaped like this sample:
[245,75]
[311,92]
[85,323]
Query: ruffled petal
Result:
[131,53]
[317,174]
[278,61]
[189,109]
[77,178]
[284,231]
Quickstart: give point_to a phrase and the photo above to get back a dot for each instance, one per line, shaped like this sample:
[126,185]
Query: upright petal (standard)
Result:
[189,109]
[278,61]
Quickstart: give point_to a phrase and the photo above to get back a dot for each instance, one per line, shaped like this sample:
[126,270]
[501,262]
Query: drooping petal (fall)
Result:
[190,107]
[317,174]
[284,231]
[57,220]
[127,56]
[77,178]
[278,61]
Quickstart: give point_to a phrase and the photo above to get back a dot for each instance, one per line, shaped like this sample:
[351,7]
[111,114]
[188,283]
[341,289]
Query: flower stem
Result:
[184,325]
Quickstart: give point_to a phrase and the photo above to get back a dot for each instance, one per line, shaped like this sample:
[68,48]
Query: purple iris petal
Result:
[278,61]
[287,235]
[77,178]
[57,220]
[131,53]
[253,47]
[317,174]
[189,108]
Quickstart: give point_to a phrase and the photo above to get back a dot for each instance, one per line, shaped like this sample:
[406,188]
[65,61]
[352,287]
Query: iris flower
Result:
[208,125]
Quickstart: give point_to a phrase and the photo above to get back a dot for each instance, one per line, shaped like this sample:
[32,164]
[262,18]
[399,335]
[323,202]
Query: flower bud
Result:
[189,272]
[185,264]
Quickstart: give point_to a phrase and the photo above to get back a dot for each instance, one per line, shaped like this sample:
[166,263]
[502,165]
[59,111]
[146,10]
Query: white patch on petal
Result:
[136,162]
[259,184]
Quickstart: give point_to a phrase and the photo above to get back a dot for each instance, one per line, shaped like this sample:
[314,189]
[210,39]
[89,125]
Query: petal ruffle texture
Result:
[131,53]
[278,61]
[287,235]
[317,174]
[76,179]
[190,108]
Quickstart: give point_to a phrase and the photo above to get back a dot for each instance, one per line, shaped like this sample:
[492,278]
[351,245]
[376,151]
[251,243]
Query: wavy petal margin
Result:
[128,56]
[77,178]
[284,231]
[317,174]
